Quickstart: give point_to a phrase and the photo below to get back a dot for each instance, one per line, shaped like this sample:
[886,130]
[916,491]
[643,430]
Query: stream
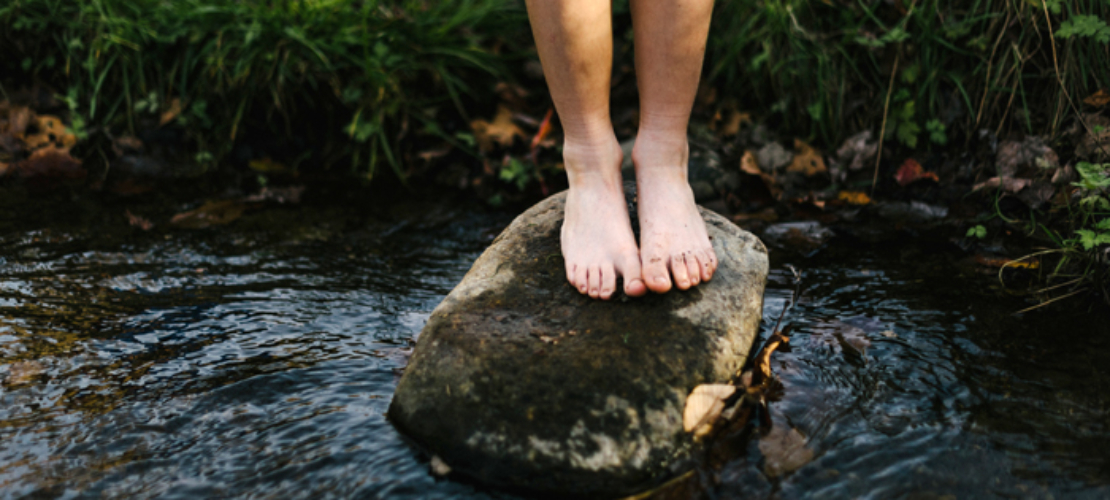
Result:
[257,359]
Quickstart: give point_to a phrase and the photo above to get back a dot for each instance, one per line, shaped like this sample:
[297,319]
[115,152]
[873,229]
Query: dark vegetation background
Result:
[1011,93]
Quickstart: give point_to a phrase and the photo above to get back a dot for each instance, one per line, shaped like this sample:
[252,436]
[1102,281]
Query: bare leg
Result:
[670,44]
[575,43]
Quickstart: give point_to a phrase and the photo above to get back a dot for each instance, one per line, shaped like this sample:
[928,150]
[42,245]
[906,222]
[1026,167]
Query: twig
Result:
[1047,302]
[882,129]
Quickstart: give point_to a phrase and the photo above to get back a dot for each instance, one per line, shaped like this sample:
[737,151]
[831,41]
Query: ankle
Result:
[662,156]
[592,163]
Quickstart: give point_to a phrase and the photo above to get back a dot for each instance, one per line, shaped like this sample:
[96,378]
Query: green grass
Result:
[362,70]
[823,68]
[359,80]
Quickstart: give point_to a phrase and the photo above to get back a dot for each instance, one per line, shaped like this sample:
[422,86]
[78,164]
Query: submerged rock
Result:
[519,381]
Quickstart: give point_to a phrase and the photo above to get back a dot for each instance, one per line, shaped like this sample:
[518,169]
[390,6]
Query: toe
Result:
[570,274]
[679,270]
[655,275]
[608,281]
[594,279]
[693,268]
[580,282]
[706,268]
[709,265]
[633,278]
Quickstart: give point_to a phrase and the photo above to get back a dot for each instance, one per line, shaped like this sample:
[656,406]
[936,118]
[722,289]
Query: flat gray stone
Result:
[520,382]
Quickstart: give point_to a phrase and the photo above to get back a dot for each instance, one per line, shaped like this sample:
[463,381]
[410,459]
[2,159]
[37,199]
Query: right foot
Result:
[597,240]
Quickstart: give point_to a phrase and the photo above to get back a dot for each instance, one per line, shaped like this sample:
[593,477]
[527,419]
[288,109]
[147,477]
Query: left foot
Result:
[673,239]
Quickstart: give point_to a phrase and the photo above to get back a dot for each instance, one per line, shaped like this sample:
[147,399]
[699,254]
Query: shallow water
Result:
[258,360]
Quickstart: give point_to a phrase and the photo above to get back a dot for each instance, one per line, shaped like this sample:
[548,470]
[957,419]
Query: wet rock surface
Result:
[519,381]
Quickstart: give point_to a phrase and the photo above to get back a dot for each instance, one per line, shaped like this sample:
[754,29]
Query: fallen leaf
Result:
[4,168]
[784,451]
[138,221]
[911,172]
[735,120]
[171,113]
[501,130]
[854,197]
[704,406]
[439,467]
[212,213]
[1000,262]
[51,162]
[857,150]
[749,165]
[1098,99]
[1012,155]
[763,360]
[807,160]
[1008,183]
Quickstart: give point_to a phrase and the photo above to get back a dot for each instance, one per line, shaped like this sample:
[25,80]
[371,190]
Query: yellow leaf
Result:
[854,197]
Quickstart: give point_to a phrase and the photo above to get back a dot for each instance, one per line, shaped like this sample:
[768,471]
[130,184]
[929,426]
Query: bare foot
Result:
[673,239]
[597,240]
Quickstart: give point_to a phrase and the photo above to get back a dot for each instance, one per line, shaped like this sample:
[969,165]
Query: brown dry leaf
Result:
[854,197]
[1012,155]
[51,131]
[735,120]
[704,406]
[22,372]
[501,130]
[911,172]
[171,113]
[4,169]
[807,160]
[51,162]
[749,165]
[784,451]
[138,221]
[212,213]
[1098,99]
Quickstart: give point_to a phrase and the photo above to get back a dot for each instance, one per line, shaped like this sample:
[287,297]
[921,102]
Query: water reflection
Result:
[258,360]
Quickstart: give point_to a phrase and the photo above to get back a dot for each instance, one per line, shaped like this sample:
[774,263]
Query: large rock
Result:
[519,381]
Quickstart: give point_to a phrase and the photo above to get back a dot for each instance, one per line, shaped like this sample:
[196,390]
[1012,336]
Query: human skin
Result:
[575,43]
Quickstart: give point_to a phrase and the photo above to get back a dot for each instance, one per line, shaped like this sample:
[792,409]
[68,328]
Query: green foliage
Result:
[977,232]
[354,69]
[1094,207]
[966,65]
[1085,26]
